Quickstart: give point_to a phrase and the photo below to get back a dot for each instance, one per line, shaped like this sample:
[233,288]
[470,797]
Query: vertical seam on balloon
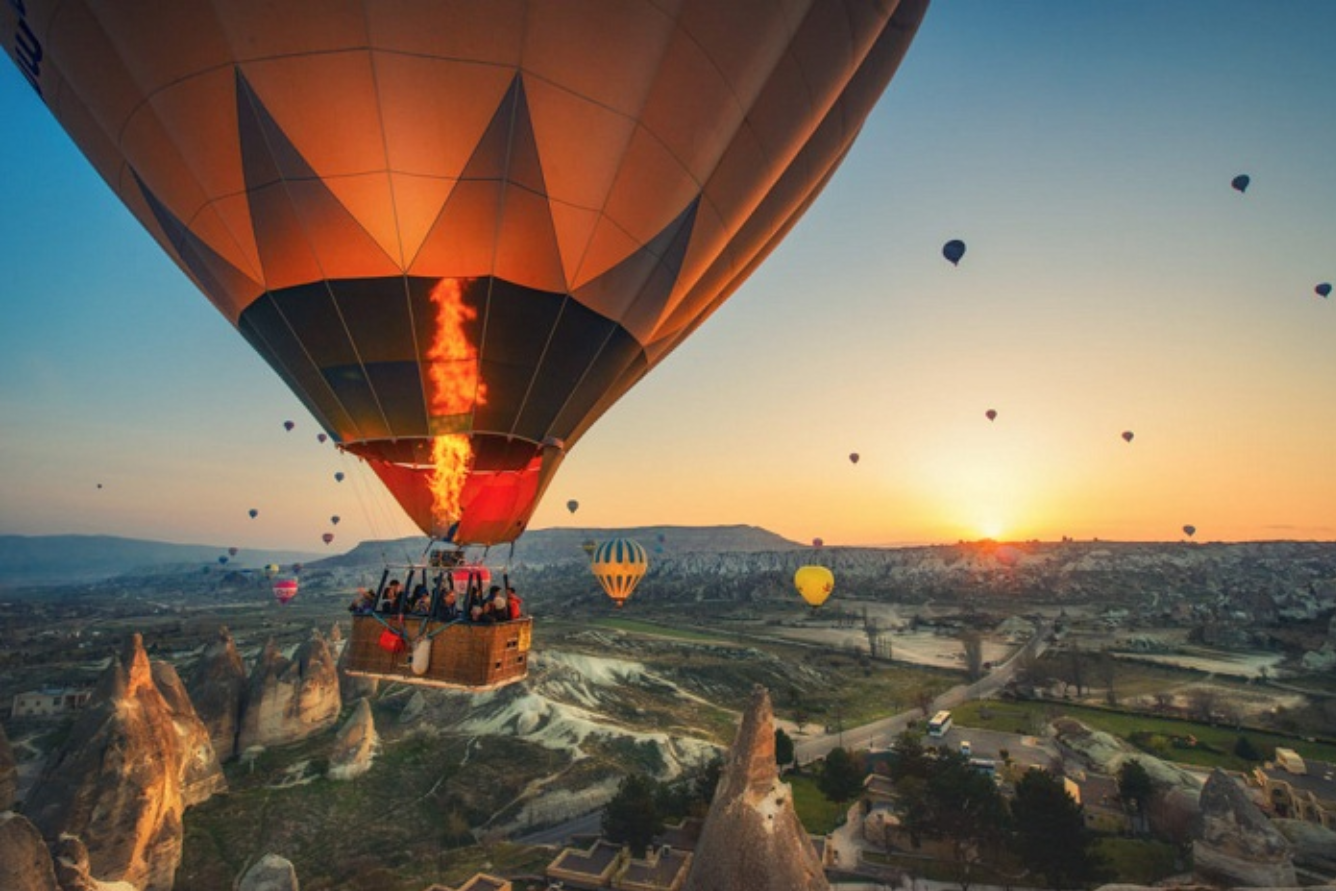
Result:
[324,278]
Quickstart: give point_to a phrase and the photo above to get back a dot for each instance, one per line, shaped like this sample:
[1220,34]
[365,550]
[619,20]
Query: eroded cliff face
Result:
[217,687]
[9,773]
[355,746]
[1236,844]
[288,700]
[25,863]
[134,760]
[752,839]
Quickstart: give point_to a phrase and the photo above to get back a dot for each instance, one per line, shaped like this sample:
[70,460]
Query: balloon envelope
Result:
[222,560]
[619,565]
[288,425]
[1127,435]
[320,437]
[572,505]
[953,250]
[817,542]
[232,551]
[334,519]
[327,537]
[1240,182]
[270,570]
[853,458]
[1322,290]
[814,583]
[254,513]
[991,414]
[285,590]
[460,236]
[1190,531]
[338,477]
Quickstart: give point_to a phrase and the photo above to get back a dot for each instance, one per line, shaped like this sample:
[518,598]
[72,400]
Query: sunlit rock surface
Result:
[752,839]
[123,778]
[25,862]
[1236,844]
[72,868]
[217,687]
[201,774]
[355,746]
[288,700]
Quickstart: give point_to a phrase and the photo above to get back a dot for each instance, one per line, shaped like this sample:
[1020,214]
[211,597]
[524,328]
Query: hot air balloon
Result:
[619,565]
[572,505]
[1322,290]
[661,538]
[327,537]
[589,546]
[296,569]
[222,560]
[460,237]
[285,590]
[853,458]
[814,583]
[99,485]
[1127,435]
[817,542]
[334,519]
[1189,531]
[288,425]
[953,250]
[991,414]
[253,513]
[320,437]
[1240,183]
[232,551]
[270,570]
[338,477]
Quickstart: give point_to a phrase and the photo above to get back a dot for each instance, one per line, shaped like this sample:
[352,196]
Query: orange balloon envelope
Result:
[460,232]
[814,583]
[619,565]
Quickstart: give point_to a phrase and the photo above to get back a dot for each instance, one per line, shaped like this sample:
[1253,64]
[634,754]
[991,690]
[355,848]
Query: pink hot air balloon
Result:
[853,458]
[232,551]
[991,414]
[327,537]
[816,542]
[1127,436]
[285,590]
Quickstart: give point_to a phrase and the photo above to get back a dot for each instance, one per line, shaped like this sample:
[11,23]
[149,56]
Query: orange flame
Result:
[454,390]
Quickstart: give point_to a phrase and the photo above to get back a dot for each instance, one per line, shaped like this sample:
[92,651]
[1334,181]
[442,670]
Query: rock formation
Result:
[25,863]
[355,747]
[1314,845]
[9,773]
[217,687]
[752,839]
[119,780]
[1236,844]
[71,859]
[288,700]
[201,774]
[270,873]
[352,688]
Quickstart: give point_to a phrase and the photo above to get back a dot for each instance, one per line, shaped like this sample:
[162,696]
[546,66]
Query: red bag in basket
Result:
[392,641]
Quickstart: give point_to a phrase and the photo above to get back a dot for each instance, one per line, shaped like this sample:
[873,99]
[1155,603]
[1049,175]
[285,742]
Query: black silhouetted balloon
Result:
[1241,182]
[853,457]
[1127,436]
[953,250]
[1190,530]
[572,505]
[288,425]
[1323,290]
[334,519]
[320,437]
[253,513]
[991,414]
[327,537]
[338,477]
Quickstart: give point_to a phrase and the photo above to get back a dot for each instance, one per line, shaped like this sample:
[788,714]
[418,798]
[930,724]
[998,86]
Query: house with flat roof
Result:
[480,882]
[606,865]
[48,702]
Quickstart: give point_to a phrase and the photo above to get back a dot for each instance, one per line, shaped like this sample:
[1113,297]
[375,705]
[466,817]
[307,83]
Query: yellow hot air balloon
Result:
[814,583]
[461,231]
[619,565]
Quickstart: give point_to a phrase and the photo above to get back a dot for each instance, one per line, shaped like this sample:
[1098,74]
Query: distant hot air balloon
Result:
[1190,531]
[320,437]
[661,538]
[327,537]
[853,458]
[99,485]
[572,505]
[270,570]
[461,237]
[1323,290]
[232,551]
[222,560]
[619,565]
[296,569]
[814,583]
[338,477]
[589,546]
[1240,182]
[816,542]
[253,513]
[991,414]
[953,250]
[285,590]
[334,519]
[1127,435]
[288,425]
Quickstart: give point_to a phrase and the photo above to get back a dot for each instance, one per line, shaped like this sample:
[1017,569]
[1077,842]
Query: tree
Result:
[1050,832]
[1244,748]
[783,747]
[957,804]
[972,643]
[1135,788]
[632,816]
[910,758]
[841,777]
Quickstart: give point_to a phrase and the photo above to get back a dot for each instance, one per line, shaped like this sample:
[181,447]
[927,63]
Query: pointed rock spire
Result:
[752,839]
[217,687]
[25,863]
[1236,844]
[355,747]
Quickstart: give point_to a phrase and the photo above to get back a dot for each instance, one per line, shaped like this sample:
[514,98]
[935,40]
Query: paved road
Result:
[561,834]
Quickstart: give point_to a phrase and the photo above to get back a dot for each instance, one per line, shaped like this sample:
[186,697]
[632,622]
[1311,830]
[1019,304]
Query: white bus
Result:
[940,723]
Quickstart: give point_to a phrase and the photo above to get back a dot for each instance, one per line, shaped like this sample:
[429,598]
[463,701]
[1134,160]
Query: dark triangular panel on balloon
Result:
[642,283]
[289,203]
[215,274]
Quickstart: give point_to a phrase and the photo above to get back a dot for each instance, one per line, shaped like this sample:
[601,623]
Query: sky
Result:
[1113,281]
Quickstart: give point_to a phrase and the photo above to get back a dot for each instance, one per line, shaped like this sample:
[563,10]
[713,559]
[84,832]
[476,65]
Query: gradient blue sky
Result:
[1113,281]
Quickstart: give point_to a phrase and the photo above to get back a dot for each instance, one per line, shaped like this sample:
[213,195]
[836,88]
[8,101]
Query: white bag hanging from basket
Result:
[421,663]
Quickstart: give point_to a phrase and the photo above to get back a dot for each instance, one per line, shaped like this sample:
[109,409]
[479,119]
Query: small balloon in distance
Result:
[1323,290]
[320,437]
[953,250]
[1127,435]
[814,584]
[1189,530]
[991,414]
[572,505]
[1241,182]
[327,537]
[853,458]
[253,513]
[288,425]
[338,477]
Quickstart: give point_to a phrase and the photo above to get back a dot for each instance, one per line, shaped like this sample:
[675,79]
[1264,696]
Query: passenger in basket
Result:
[363,603]
[498,609]
[389,601]
[421,601]
[480,616]
[513,602]
[447,610]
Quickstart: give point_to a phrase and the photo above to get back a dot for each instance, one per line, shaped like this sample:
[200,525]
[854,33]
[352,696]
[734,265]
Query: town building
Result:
[48,702]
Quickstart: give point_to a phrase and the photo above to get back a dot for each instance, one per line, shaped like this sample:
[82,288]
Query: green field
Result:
[1167,736]
[818,815]
[637,626]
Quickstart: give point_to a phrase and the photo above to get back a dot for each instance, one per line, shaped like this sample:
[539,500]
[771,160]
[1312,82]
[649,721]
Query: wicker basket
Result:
[463,656]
